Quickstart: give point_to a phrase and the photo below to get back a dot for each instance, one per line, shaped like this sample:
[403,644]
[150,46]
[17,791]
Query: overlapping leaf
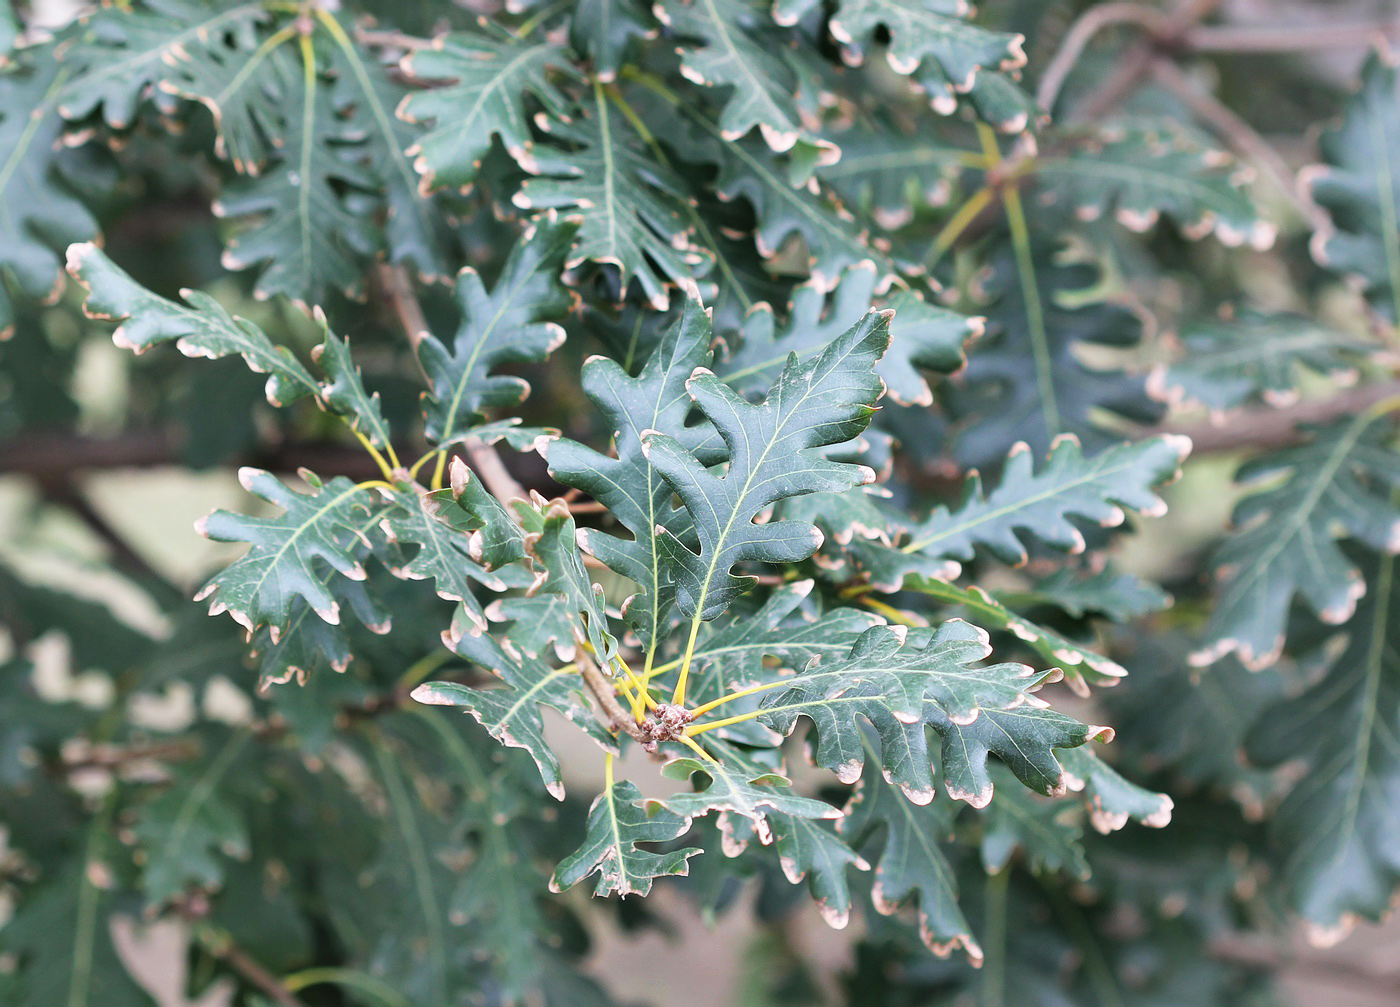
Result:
[887,680]
[491,80]
[1100,489]
[808,849]
[1337,484]
[190,828]
[602,29]
[450,557]
[513,322]
[911,863]
[124,54]
[1111,799]
[511,712]
[204,329]
[923,336]
[740,784]
[1227,363]
[466,506]
[305,219]
[42,210]
[413,228]
[930,42]
[1024,737]
[1082,666]
[1046,832]
[1025,380]
[739,49]
[282,563]
[833,239]
[1142,171]
[886,175]
[634,492]
[553,543]
[632,206]
[1359,186]
[1335,831]
[617,822]
[827,400]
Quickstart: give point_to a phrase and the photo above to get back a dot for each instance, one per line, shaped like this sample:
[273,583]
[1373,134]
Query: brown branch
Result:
[49,458]
[221,946]
[1082,32]
[1262,427]
[1240,137]
[1264,955]
[392,39]
[64,492]
[603,692]
[1270,38]
[1136,63]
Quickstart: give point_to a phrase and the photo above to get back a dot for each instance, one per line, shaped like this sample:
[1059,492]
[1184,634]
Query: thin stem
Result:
[897,615]
[606,695]
[994,940]
[384,467]
[608,759]
[427,457]
[695,729]
[697,749]
[1035,310]
[370,484]
[423,667]
[538,18]
[221,946]
[637,683]
[678,697]
[713,704]
[958,223]
[350,979]
[1267,38]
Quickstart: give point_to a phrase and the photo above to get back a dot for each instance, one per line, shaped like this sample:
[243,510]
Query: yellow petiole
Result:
[697,749]
[700,711]
[695,729]
[384,467]
[890,612]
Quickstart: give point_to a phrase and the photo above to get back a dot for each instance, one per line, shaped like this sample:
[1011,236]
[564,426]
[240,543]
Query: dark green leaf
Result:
[1142,170]
[43,214]
[617,822]
[491,80]
[204,329]
[1336,830]
[259,588]
[826,401]
[513,322]
[632,207]
[1336,484]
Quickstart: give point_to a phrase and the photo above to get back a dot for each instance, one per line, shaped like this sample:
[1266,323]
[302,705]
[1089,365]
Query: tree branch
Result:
[1268,38]
[1138,60]
[603,692]
[221,946]
[1239,136]
[1262,427]
[1082,32]
[49,458]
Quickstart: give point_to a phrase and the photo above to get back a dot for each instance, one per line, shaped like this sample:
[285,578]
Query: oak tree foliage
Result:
[692,447]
